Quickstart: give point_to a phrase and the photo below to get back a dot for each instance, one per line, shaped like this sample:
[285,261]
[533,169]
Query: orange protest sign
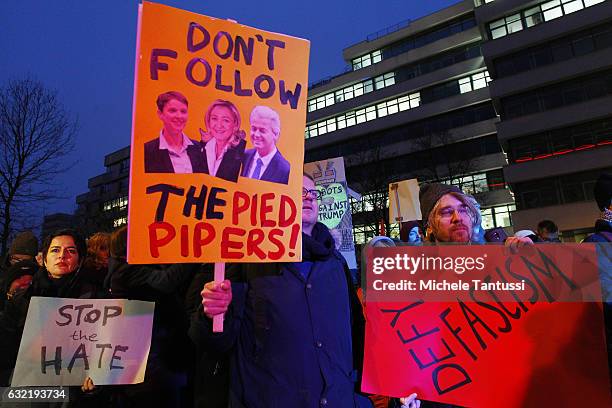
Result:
[217,141]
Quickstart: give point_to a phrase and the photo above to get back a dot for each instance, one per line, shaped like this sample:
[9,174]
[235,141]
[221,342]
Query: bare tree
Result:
[373,183]
[36,139]
[445,161]
[438,155]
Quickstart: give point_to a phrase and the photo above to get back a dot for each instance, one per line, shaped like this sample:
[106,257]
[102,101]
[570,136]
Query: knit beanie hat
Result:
[603,191]
[25,243]
[429,194]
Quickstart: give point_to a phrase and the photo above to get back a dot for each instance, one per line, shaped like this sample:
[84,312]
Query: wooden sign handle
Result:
[219,277]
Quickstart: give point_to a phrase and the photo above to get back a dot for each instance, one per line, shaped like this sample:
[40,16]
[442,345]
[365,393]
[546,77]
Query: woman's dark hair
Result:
[166,97]
[118,243]
[81,246]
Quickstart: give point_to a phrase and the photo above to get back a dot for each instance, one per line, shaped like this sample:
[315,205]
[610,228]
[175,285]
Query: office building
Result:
[104,206]
[551,65]
[414,104]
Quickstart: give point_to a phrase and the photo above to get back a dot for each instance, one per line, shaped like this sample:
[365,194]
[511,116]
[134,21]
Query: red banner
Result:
[488,354]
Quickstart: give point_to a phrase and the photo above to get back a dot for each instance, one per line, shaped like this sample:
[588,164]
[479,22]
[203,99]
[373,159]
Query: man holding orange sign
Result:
[291,326]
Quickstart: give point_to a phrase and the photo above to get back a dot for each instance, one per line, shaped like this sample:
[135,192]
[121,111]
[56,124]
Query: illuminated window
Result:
[532,16]
[497,216]
[119,203]
[363,115]
[473,82]
[117,222]
[351,91]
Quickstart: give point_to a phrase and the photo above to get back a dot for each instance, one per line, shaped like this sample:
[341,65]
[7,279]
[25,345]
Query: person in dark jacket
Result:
[95,266]
[210,379]
[548,231]
[63,255]
[603,237]
[603,197]
[169,357]
[289,325]
[23,249]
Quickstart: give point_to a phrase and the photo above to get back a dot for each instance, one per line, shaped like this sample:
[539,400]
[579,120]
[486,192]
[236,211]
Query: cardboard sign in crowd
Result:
[67,340]
[217,141]
[334,205]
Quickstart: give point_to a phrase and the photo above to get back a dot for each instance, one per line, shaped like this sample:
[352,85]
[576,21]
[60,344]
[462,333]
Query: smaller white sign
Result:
[67,340]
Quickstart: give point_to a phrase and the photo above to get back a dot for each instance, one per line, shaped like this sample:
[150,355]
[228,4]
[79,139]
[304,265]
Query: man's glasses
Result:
[448,212]
[313,193]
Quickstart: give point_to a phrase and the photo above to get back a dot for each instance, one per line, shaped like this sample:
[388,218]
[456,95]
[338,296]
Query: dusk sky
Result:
[85,51]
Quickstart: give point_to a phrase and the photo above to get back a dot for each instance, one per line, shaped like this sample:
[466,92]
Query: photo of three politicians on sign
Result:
[221,151]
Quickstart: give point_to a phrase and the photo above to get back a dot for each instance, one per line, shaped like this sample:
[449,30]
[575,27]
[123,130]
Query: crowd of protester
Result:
[293,333]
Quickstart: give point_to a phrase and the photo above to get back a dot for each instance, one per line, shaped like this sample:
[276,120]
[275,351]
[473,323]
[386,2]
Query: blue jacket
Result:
[291,334]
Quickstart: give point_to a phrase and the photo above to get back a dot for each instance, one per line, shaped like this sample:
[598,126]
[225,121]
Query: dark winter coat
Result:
[290,331]
[171,351]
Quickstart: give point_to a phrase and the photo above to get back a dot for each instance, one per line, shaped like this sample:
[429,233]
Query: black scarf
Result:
[64,286]
[318,246]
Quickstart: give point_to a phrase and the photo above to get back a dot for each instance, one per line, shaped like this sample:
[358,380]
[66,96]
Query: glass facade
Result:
[565,189]
[558,95]
[532,16]
[407,44]
[553,52]
[399,104]
[119,203]
[558,142]
[351,91]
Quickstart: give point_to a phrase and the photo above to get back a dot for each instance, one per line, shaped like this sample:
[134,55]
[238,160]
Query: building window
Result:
[479,3]
[351,91]
[497,217]
[383,81]
[559,50]
[532,16]
[401,74]
[119,203]
[363,115]
[421,128]
[385,108]
[473,82]
[118,222]
[437,62]
[559,142]
[571,188]
[407,44]
[479,182]
[558,95]
[124,165]
[367,60]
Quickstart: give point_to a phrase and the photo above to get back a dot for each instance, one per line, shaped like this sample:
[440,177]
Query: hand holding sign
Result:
[410,401]
[216,298]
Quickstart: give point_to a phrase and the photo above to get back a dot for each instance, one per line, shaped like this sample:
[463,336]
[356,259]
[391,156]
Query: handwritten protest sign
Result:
[334,205]
[474,348]
[217,141]
[66,340]
[404,201]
